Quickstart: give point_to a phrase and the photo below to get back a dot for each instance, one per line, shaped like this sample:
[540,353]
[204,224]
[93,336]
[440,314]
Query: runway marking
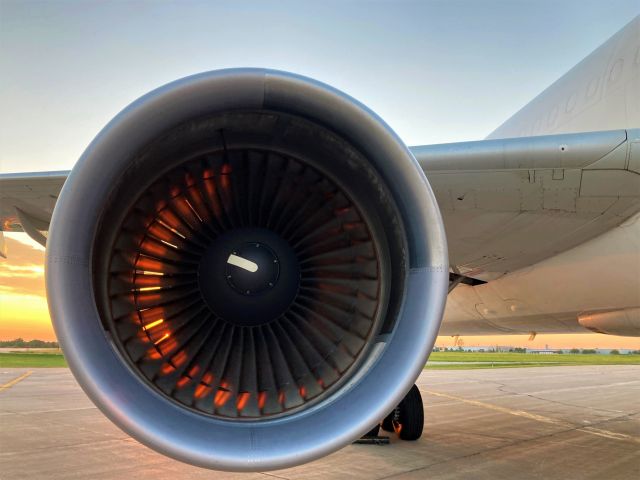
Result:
[539,418]
[582,387]
[15,380]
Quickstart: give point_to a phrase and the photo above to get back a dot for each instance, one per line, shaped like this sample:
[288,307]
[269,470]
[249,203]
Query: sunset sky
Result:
[23,304]
[435,71]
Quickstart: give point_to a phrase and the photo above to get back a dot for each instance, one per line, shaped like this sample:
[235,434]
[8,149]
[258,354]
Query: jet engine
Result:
[246,269]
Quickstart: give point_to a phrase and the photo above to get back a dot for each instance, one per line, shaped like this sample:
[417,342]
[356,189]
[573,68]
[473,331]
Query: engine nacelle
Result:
[622,321]
[246,269]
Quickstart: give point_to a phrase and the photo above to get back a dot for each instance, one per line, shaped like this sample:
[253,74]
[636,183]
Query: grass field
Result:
[466,360]
[454,360]
[31,360]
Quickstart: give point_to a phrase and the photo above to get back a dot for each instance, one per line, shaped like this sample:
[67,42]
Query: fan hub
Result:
[249,276]
[252,268]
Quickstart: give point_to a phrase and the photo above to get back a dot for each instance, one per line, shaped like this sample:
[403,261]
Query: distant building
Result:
[481,348]
[544,351]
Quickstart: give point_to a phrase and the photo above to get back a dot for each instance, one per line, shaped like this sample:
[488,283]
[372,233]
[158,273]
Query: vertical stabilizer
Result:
[602,92]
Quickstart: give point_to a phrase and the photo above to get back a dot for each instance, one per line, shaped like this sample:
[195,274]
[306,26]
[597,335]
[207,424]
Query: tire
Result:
[387,423]
[411,421]
[373,432]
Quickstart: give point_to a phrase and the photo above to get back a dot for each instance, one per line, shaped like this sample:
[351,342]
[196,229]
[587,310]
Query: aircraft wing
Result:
[506,204]
[27,201]
[511,203]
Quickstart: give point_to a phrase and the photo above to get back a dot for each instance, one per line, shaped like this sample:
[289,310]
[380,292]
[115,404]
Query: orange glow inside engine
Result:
[210,186]
[195,212]
[214,203]
[161,339]
[149,289]
[184,208]
[222,396]
[189,180]
[262,399]
[167,368]
[148,281]
[160,205]
[174,191]
[160,232]
[154,354]
[168,346]
[169,244]
[197,202]
[202,390]
[170,228]
[153,324]
[225,181]
[149,264]
[183,381]
[153,248]
[146,298]
[143,336]
[170,219]
[151,314]
[243,398]
[179,359]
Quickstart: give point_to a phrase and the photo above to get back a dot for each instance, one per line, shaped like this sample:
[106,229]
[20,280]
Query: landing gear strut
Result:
[407,419]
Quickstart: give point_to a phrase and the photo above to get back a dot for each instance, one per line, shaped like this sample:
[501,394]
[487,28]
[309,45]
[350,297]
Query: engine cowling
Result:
[246,270]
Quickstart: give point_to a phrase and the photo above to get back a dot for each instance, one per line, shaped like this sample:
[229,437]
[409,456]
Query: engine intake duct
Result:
[247,279]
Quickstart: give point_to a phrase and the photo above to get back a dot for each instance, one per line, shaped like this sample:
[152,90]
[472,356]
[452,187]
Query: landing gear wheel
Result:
[407,419]
[387,423]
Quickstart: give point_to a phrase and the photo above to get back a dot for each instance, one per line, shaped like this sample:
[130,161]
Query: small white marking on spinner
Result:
[248,265]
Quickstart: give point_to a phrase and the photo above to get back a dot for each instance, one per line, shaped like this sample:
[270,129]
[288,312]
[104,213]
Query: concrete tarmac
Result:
[578,422]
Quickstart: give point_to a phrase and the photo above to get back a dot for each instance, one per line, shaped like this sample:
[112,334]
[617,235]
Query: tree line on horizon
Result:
[586,351]
[21,343]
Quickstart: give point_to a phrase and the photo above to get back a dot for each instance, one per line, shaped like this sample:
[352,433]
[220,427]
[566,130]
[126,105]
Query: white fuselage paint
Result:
[601,93]
[599,275]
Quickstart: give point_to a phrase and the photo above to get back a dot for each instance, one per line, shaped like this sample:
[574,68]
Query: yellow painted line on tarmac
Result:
[14,381]
[539,418]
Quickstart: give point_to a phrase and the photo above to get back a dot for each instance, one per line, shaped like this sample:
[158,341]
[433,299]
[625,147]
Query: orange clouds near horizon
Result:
[555,340]
[24,312]
[23,304]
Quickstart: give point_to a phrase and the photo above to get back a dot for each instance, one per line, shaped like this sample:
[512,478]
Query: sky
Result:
[435,71]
